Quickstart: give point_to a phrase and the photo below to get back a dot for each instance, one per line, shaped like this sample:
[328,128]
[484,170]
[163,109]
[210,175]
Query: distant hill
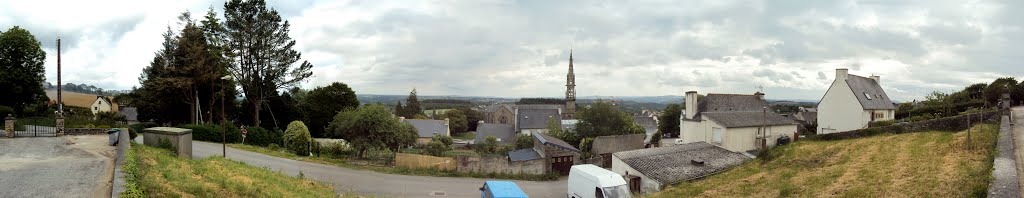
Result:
[84,88]
[73,99]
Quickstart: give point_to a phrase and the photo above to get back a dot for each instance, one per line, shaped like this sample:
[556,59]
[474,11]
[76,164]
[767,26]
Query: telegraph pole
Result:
[60,101]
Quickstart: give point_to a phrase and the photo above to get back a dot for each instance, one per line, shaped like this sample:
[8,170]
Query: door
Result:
[561,164]
[606,160]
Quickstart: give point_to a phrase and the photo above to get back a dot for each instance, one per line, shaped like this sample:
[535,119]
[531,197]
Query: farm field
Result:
[925,164]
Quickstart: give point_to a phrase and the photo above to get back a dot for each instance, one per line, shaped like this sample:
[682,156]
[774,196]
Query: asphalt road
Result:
[50,167]
[373,183]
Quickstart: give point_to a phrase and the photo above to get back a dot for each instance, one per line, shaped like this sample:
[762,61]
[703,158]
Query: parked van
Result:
[589,181]
[501,189]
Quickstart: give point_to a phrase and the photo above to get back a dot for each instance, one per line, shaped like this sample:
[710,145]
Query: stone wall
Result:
[85,131]
[406,160]
[955,123]
[499,165]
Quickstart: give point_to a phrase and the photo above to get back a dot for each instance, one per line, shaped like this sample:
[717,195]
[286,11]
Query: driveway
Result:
[373,183]
[68,166]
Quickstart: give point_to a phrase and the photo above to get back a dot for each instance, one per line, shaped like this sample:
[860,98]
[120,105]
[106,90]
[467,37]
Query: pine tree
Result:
[412,106]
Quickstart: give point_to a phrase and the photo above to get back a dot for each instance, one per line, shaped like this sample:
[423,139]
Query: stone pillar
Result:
[9,126]
[60,125]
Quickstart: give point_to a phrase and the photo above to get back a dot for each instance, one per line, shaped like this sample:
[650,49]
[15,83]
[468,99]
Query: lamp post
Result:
[223,117]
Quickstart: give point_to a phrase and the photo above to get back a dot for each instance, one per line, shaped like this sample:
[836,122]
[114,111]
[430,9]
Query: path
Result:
[1018,142]
[374,183]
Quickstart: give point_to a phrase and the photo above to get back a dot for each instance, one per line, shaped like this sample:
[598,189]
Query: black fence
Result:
[35,127]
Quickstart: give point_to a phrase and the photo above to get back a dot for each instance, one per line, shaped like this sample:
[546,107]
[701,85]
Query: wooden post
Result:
[969,131]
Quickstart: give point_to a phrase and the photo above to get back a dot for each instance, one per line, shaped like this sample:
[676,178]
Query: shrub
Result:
[524,141]
[274,147]
[4,110]
[489,146]
[436,148]
[212,132]
[882,123]
[263,137]
[297,138]
[132,133]
[337,149]
[446,140]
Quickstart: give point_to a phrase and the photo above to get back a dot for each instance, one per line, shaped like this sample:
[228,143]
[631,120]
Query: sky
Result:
[791,48]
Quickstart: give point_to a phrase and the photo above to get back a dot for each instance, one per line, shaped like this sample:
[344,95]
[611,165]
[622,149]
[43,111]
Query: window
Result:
[879,115]
[96,108]
[716,135]
[867,95]
[504,120]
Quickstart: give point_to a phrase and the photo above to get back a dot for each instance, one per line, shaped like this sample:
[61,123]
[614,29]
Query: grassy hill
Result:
[925,164]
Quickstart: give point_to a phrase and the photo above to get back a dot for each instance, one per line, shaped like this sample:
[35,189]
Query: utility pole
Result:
[764,122]
[60,101]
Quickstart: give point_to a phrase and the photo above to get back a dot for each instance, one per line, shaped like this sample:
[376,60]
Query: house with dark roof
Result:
[426,129]
[530,120]
[736,122]
[852,102]
[131,114]
[102,104]
[505,133]
[658,167]
[558,153]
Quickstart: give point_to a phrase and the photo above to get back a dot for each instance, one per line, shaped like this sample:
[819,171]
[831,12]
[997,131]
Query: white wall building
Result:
[852,102]
[732,121]
[102,104]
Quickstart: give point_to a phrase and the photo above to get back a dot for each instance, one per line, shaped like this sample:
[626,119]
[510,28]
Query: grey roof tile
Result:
[555,142]
[730,102]
[504,132]
[748,118]
[672,165]
[523,155]
[536,118]
[864,87]
[427,128]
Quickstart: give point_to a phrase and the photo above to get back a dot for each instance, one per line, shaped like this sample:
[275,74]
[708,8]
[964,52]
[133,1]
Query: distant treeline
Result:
[79,88]
[445,104]
[540,101]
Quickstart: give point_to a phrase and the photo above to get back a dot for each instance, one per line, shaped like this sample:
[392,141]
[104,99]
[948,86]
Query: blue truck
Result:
[501,189]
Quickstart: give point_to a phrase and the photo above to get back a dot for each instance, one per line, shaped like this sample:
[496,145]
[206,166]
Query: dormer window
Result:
[867,95]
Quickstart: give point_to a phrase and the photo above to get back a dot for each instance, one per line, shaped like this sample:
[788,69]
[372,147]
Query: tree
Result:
[297,138]
[398,108]
[21,69]
[322,103]
[524,141]
[669,121]
[412,106]
[602,119]
[260,48]
[996,89]
[371,126]
[555,130]
[473,118]
[456,120]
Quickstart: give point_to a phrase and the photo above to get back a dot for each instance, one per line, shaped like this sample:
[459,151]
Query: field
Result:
[160,174]
[73,99]
[926,164]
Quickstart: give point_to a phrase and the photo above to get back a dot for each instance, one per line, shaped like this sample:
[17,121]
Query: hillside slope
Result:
[73,99]
[926,164]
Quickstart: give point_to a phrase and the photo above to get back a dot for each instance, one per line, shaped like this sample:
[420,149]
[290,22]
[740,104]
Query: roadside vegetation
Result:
[155,172]
[924,164]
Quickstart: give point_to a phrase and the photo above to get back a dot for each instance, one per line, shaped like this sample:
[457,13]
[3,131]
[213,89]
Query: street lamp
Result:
[223,117]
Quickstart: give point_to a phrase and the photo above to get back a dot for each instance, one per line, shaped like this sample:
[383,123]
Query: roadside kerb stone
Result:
[180,138]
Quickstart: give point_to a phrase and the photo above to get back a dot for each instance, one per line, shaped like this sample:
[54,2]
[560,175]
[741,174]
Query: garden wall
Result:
[955,123]
[500,165]
[85,131]
[406,160]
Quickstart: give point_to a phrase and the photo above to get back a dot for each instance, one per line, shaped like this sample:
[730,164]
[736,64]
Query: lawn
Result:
[160,174]
[925,164]
[465,135]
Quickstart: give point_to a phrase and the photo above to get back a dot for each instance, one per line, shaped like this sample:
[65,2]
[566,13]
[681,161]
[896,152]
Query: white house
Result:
[852,102]
[733,121]
[102,104]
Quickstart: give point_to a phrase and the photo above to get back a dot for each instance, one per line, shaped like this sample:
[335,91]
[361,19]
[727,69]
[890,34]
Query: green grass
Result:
[365,165]
[466,135]
[925,164]
[155,172]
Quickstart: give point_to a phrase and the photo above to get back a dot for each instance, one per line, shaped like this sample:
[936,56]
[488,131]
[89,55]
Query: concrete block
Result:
[180,138]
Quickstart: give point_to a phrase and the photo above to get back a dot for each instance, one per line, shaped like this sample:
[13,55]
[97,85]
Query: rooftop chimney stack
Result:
[759,95]
[842,73]
[691,104]
[877,79]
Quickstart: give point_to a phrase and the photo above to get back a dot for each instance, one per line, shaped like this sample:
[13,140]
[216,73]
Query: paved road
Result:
[50,167]
[374,183]
[1018,142]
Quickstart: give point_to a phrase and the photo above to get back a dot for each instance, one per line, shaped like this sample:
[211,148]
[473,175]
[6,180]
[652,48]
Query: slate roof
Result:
[504,132]
[539,106]
[494,108]
[747,118]
[536,118]
[616,143]
[555,142]
[729,102]
[861,86]
[523,155]
[671,165]
[648,123]
[810,116]
[130,113]
[427,128]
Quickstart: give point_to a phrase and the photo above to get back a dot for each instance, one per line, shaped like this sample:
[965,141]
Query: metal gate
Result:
[35,127]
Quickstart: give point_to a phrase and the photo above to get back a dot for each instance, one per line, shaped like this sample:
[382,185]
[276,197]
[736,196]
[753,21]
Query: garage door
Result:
[561,164]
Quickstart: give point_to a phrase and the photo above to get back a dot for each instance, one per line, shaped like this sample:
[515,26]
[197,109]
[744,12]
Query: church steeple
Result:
[570,92]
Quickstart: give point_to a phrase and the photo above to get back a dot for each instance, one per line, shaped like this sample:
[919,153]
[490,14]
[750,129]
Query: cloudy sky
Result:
[623,48]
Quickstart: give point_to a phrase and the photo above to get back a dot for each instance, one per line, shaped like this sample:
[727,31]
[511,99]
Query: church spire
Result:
[570,92]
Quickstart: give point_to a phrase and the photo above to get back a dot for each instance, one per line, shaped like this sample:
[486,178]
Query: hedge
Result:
[953,124]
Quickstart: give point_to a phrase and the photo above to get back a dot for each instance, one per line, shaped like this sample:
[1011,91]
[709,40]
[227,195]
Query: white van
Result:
[589,181]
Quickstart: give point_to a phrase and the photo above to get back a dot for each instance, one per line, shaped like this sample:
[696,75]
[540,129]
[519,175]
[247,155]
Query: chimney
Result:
[759,95]
[842,73]
[691,104]
[877,79]
[401,119]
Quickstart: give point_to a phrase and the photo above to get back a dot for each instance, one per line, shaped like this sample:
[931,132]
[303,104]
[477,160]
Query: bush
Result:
[444,139]
[5,110]
[132,133]
[274,147]
[337,149]
[297,138]
[262,137]
[436,148]
[212,132]
[489,146]
[524,141]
